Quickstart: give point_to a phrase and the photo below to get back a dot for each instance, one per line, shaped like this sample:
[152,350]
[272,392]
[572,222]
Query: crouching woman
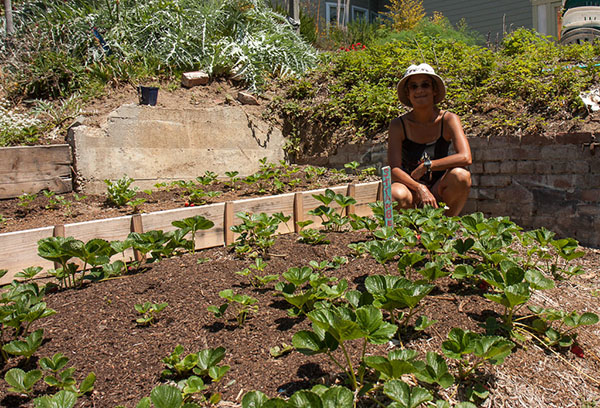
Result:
[423,172]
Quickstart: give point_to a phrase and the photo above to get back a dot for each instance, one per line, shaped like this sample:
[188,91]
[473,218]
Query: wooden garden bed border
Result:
[20,247]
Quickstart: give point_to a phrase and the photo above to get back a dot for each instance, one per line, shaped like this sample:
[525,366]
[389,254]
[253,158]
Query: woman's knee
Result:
[402,195]
[459,177]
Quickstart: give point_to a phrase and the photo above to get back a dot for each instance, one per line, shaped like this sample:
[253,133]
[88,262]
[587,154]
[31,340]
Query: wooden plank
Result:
[137,226]
[161,220]
[31,169]
[228,217]
[19,251]
[366,193]
[298,211]
[19,163]
[56,184]
[351,192]
[283,203]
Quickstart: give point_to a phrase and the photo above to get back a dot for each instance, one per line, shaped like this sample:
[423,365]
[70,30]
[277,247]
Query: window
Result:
[359,13]
[331,13]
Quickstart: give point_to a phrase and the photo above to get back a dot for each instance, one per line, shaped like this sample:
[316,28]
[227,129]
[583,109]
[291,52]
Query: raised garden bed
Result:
[95,327]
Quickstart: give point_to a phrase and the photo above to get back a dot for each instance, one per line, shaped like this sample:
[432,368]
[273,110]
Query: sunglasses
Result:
[414,86]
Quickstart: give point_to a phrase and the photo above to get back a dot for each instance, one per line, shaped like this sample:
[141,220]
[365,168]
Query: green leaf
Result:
[338,397]
[166,396]
[537,280]
[305,399]
[62,399]
[25,348]
[309,343]
[87,384]
[20,381]
[254,399]
[405,396]
[423,322]
[436,371]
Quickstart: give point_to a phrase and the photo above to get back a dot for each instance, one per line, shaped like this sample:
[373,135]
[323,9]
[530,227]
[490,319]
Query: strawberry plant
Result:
[462,343]
[318,396]
[392,292]
[330,218]
[256,233]
[563,333]
[203,364]
[149,311]
[334,326]
[64,380]
[244,305]
[62,399]
[119,192]
[257,280]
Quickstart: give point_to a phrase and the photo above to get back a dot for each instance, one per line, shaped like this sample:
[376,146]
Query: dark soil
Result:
[18,214]
[95,328]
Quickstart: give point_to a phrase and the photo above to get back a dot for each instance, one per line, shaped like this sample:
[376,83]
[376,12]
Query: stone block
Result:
[190,79]
[543,167]
[470,207]
[492,208]
[567,183]
[591,195]
[476,142]
[589,210]
[561,152]
[522,153]
[247,99]
[490,167]
[515,193]
[525,167]
[495,154]
[577,138]
[494,180]
[476,168]
[508,167]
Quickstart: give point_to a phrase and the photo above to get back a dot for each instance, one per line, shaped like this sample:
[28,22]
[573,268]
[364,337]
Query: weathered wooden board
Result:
[161,220]
[366,193]
[273,204]
[19,251]
[31,169]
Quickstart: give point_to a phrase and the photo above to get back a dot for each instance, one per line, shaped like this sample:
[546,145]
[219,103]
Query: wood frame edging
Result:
[294,204]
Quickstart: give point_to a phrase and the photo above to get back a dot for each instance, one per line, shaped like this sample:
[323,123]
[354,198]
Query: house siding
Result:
[485,17]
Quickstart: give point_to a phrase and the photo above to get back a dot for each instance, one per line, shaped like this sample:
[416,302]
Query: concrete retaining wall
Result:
[151,144]
[551,182]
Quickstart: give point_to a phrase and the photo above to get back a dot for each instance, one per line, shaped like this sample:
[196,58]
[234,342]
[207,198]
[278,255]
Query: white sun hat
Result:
[422,69]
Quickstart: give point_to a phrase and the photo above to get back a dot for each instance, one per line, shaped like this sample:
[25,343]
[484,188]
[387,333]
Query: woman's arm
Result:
[461,158]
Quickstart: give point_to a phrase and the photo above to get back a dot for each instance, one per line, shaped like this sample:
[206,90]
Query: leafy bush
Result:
[352,95]
[16,128]
[244,38]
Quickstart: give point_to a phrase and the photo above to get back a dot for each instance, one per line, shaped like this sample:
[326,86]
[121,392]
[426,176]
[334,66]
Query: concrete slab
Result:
[152,144]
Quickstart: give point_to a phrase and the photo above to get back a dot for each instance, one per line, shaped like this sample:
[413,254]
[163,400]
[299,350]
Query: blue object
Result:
[101,41]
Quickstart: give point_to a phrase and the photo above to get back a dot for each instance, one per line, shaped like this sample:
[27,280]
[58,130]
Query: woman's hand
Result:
[418,172]
[425,197]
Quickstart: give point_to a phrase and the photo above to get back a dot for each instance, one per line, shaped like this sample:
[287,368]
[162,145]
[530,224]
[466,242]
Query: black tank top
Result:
[412,153]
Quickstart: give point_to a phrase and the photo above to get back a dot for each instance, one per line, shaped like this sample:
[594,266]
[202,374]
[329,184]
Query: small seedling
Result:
[148,311]
[25,200]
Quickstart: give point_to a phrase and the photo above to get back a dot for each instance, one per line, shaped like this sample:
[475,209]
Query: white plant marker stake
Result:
[386,176]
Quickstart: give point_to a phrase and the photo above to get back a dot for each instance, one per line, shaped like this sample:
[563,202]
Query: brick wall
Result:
[552,182]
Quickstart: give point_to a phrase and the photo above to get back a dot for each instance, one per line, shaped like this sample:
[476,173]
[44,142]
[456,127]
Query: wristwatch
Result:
[427,164]
[426,160]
